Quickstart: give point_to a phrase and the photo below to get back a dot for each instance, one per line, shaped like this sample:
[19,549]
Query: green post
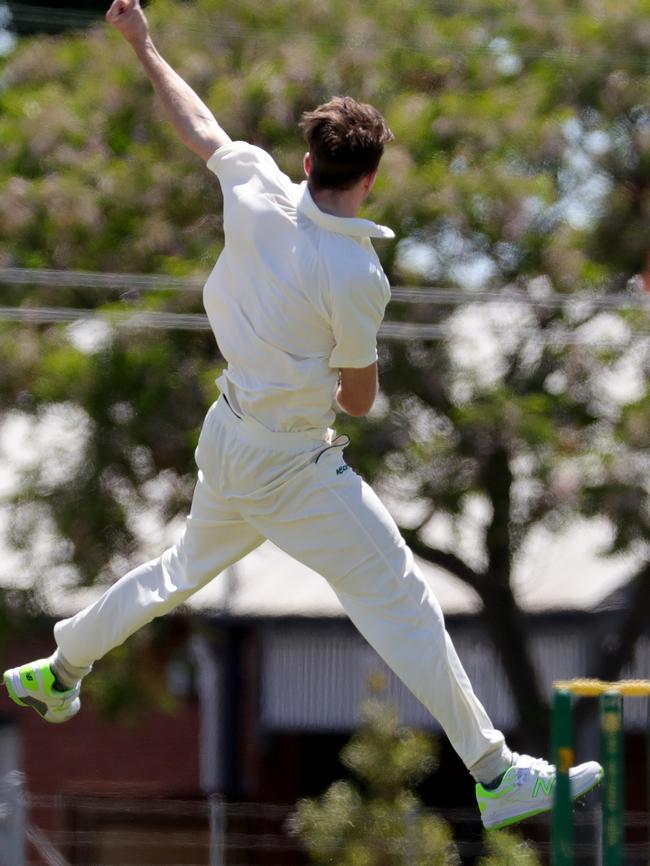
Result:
[563,758]
[611,731]
[647,765]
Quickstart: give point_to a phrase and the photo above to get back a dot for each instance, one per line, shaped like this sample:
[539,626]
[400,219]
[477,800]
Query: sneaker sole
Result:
[515,819]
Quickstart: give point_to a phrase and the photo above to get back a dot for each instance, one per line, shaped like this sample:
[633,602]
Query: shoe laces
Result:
[526,767]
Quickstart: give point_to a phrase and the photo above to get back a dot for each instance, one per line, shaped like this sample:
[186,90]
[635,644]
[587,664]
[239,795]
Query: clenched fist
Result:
[127,17]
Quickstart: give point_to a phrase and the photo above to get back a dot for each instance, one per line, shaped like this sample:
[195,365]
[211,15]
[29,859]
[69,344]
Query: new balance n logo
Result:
[545,785]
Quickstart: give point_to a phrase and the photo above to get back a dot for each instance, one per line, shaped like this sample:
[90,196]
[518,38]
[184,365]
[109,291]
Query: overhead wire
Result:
[446,296]
[71,279]
[119,318]
[408,294]
[158,320]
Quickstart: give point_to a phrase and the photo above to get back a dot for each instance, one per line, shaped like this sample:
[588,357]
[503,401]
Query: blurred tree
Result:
[521,165]
[378,820]
[504,849]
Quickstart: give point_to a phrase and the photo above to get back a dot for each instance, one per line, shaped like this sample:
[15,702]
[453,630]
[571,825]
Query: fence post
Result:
[12,820]
[563,757]
[611,727]
[217,811]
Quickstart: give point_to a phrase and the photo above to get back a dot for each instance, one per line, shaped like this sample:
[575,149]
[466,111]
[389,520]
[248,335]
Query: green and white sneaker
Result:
[526,789]
[32,685]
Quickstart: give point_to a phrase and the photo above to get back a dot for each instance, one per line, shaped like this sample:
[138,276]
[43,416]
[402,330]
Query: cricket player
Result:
[295,301]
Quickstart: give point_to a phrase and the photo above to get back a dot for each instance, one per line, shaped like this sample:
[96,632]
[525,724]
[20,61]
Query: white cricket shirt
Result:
[295,295]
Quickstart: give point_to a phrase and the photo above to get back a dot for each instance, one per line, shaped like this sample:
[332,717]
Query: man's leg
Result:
[215,536]
[335,524]
[332,521]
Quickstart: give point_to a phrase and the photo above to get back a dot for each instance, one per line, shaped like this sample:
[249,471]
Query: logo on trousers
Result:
[342,469]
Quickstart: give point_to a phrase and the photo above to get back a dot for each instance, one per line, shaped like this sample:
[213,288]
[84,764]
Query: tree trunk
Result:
[507,628]
[630,624]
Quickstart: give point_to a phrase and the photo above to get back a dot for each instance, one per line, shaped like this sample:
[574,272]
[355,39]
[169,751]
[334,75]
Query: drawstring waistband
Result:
[341,441]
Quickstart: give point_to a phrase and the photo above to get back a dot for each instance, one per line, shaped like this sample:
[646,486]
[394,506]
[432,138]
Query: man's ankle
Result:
[66,675]
[494,784]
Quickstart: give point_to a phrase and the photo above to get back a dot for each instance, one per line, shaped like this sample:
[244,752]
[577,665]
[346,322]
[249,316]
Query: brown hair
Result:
[346,140]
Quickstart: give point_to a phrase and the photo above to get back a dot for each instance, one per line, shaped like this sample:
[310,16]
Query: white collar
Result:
[353,226]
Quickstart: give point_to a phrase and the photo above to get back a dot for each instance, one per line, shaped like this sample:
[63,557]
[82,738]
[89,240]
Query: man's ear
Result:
[369,181]
[306,163]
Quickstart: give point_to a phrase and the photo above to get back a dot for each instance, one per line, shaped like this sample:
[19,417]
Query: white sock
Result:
[66,674]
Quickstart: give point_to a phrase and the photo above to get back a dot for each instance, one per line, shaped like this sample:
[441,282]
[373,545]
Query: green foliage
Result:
[378,820]
[132,678]
[384,756]
[505,849]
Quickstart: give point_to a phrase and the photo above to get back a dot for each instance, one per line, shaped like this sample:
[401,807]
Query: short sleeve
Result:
[237,162]
[357,310]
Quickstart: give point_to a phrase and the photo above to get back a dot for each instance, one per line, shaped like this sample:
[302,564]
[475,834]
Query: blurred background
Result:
[510,440]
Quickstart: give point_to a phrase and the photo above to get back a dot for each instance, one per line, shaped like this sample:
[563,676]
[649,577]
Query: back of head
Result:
[346,140]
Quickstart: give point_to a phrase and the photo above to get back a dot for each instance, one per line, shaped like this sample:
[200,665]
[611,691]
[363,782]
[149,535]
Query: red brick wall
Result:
[157,755]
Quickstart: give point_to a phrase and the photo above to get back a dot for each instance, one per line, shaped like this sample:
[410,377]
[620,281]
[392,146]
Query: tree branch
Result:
[497,479]
[443,559]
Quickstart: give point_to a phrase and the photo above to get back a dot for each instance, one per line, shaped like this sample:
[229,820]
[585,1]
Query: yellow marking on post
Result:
[587,688]
[566,759]
[611,723]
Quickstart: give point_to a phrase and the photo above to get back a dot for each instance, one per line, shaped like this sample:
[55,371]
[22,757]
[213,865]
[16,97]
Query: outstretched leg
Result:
[215,536]
[333,522]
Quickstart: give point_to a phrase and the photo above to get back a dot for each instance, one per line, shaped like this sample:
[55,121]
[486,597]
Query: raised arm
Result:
[190,117]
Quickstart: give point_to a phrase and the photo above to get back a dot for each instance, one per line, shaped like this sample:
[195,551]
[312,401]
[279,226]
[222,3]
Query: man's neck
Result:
[341,203]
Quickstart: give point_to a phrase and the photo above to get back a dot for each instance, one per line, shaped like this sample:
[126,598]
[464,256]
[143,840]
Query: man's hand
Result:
[127,17]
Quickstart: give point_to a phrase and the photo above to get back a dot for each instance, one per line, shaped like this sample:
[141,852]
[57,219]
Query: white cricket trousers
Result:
[254,484]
